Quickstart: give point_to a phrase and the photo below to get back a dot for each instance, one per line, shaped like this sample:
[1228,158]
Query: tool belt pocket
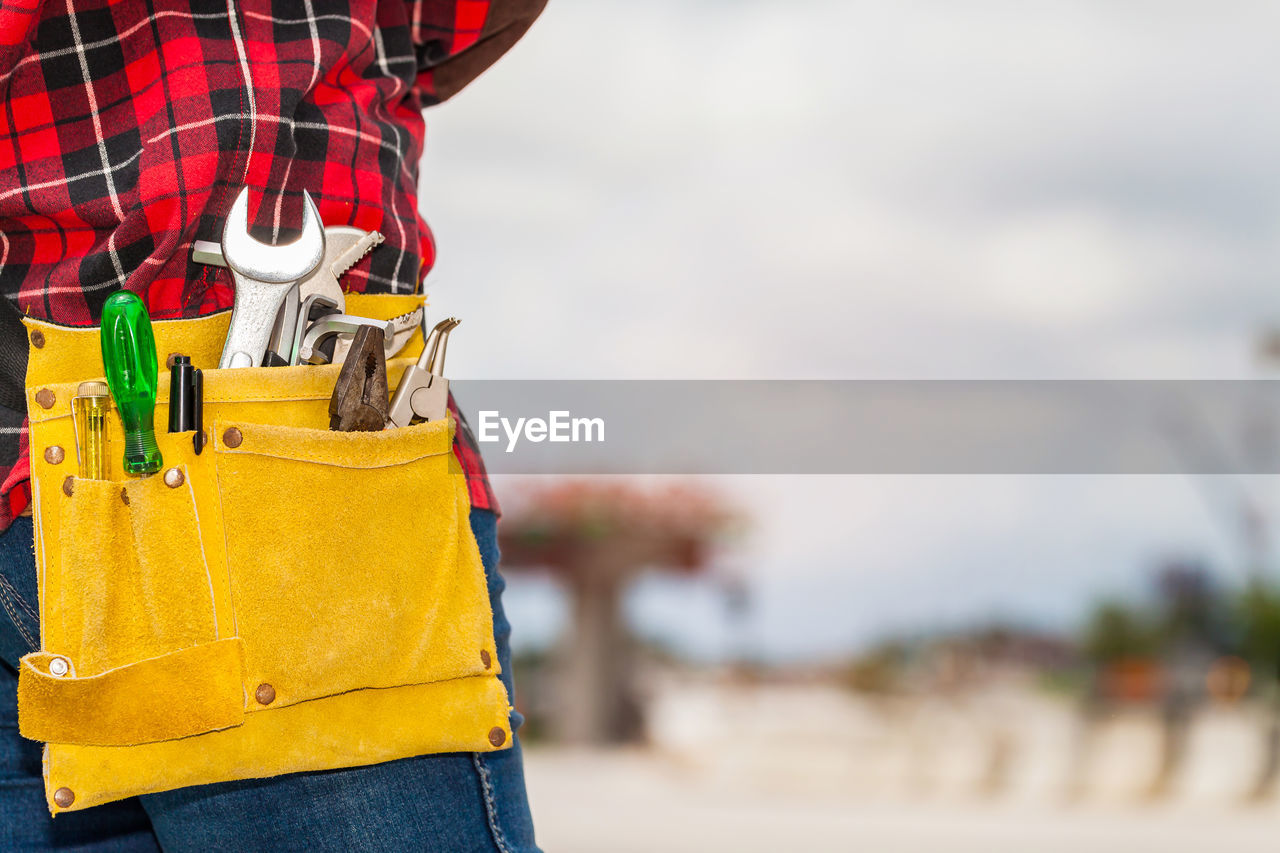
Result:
[380,575]
[287,599]
[135,613]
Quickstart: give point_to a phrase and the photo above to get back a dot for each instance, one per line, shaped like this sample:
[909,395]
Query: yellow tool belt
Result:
[289,599]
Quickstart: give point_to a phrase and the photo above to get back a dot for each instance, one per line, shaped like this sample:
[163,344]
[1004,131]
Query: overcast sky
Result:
[844,189]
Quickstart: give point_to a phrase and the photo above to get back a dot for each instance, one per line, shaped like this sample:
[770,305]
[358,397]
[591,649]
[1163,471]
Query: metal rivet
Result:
[45,398]
[232,437]
[497,736]
[37,339]
[485,659]
[54,455]
[67,485]
[64,797]
[59,667]
[124,496]
[265,694]
[174,478]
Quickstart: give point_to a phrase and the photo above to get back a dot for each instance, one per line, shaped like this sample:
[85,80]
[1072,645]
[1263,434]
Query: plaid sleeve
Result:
[456,40]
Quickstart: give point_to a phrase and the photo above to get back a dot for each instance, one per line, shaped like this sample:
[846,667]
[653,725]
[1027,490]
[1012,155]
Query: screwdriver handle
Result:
[129,358]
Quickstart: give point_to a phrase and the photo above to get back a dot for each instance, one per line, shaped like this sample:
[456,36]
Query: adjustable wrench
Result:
[263,275]
[344,246]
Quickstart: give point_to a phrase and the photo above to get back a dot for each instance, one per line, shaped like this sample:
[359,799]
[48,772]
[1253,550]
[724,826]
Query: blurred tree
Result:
[1258,615]
[1190,635]
[596,536]
[1116,631]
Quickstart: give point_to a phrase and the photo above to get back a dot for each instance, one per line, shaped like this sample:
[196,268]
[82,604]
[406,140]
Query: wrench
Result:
[263,276]
[344,246]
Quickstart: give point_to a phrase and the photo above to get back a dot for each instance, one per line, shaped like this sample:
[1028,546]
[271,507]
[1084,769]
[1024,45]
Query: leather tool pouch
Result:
[289,599]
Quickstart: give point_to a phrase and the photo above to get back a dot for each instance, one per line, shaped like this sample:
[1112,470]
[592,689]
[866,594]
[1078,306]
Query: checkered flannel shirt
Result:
[129,127]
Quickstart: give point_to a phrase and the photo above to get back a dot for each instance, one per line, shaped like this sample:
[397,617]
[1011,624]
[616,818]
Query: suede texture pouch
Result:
[289,599]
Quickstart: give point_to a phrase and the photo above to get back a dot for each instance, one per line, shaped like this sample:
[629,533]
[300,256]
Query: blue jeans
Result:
[453,802]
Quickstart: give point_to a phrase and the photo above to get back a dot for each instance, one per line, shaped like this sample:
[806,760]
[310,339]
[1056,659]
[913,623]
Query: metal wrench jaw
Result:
[263,277]
[272,264]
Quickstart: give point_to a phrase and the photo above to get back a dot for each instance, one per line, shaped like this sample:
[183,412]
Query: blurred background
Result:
[800,189]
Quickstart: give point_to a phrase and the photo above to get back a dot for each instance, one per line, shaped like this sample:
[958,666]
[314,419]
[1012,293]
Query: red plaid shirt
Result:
[129,127]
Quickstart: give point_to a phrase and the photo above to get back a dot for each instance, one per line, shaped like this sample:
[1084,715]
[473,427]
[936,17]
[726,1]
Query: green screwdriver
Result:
[129,355]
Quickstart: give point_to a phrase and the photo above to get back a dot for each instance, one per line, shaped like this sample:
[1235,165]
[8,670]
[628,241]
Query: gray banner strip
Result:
[874,427]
